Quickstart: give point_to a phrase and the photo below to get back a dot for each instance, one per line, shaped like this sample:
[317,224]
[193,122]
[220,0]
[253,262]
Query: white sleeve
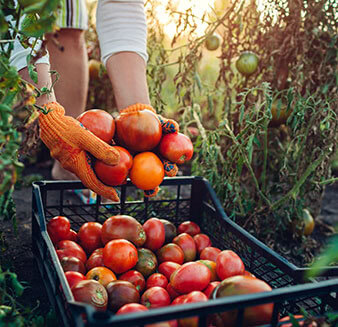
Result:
[121,26]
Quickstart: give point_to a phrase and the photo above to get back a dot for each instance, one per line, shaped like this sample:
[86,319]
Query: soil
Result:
[17,253]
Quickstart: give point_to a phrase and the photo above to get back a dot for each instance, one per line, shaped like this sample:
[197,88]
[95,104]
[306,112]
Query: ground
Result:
[18,254]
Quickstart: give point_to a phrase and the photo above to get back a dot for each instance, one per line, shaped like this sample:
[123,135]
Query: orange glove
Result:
[68,142]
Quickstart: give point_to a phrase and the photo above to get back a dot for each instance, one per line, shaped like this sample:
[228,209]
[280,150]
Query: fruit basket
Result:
[180,199]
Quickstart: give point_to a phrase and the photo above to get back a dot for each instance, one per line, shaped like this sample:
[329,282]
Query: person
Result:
[122,33]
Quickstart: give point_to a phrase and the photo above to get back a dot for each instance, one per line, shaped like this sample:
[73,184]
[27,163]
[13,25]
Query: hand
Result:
[68,143]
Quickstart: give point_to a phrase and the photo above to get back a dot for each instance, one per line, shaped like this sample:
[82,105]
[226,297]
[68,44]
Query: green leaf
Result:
[37,27]
[249,147]
[3,23]
[239,165]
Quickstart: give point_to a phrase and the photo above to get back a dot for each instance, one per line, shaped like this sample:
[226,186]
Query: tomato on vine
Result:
[247,63]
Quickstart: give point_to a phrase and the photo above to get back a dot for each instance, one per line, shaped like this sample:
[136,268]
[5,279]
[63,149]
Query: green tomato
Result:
[247,63]
[212,42]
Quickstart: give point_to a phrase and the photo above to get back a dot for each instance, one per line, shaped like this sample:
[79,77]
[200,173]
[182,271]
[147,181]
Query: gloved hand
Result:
[68,142]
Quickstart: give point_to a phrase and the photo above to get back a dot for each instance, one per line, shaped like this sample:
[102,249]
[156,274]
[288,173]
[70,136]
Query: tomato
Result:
[300,319]
[73,236]
[115,175]
[169,230]
[131,307]
[305,225]
[188,227]
[67,248]
[147,262]
[58,229]
[179,299]
[95,259]
[210,253]
[136,278]
[248,273]
[123,226]
[170,252]
[139,130]
[72,264]
[195,296]
[157,279]
[119,255]
[155,234]
[99,122]
[91,292]
[212,42]
[121,292]
[89,236]
[176,147]
[247,63]
[167,268]
[279,113]
[94,66]
[209,289]
[73,277]
[155,297]
[147,171]
[228,264]
[212,266]
[102,274]
[202,241]
[187,244]
[191,276]
[239,285]
[172,293]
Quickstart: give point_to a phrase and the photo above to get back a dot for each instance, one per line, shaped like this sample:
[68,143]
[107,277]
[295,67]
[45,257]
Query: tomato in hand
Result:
[155,297]
[136,278]
[73,277]
[115,175]
[228,264]
[95,259]
[99,122]
[89,236]
[102,274]
[58,229]
[176,147]
[67,248]
[155,234]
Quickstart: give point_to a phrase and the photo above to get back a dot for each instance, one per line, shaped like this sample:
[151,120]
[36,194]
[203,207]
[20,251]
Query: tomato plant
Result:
[247,63]
[89,236]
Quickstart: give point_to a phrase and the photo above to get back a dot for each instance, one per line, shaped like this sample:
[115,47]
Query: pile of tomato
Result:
[142,146]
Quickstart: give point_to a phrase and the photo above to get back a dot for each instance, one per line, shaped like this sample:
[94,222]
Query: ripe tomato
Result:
[157,279]
[228,264]
[210,253]
[170,252]
[188,227]
[247,63]
[89,236]
[67,248]
[167,268]
[73,236]
[131,307]
[212,42]
[102,274]
[115,175]
[176,147]
[73,277]
[179,299]
[172,293]
[91,292]
[169,230]
[155,233]
[202,241]
[187,244]
[212,266]
[209,289]
[121,292]
[72,264]
[139,130]
[99,122]
[119,255]
[147,171]
[58,229]
[123,226]
[95,259]
[155,297]
[147,262]
[191,276]
[136,278]
[195,296]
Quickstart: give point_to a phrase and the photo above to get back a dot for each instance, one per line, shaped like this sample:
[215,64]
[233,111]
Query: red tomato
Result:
[228,264]
[210,253]
[131,307]
[187,244]
[73,277]
[95,259]
[155,297]
[179,299]
[172,293]
[167,268]
[119,255]
[138,130]
[191,276]
[202,241]
[73,235]
[212,266]
[189,227]
[89,236]
[91,292]
[208,290]
[136,278]
[157,279]
[72,264]
[248,273]
[67,248]
[115,175]
[102,274]
[155,234]
[58,229]
[176,147]
[195,296]
[170,252]
[100,123]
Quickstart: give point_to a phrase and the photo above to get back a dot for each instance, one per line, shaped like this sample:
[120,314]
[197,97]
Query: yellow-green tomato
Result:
[247,63]
[212,42]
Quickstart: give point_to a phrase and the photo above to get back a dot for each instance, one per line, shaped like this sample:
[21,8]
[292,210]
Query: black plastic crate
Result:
[181,198]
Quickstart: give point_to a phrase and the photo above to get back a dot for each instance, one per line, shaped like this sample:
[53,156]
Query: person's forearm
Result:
[127,73]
